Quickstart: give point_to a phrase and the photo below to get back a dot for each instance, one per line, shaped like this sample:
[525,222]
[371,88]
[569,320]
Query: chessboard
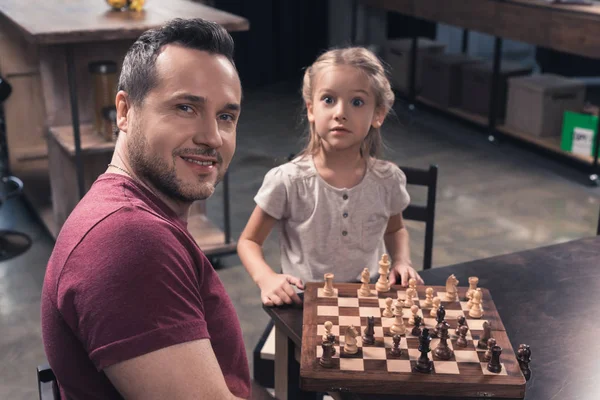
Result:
[373,369]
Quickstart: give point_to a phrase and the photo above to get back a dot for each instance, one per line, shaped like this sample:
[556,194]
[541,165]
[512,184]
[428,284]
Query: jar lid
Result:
[103,67]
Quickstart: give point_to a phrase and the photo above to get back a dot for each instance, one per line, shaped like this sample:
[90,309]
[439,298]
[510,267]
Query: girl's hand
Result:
[276,289]
[404,272]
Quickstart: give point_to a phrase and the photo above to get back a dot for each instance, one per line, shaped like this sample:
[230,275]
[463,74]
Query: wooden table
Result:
[545,298]
[44,51]
[572,29]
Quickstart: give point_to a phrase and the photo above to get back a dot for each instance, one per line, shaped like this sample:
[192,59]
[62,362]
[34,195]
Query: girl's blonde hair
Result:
[366,61]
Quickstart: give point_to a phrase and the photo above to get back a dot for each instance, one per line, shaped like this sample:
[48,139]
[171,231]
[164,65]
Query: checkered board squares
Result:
[373,369]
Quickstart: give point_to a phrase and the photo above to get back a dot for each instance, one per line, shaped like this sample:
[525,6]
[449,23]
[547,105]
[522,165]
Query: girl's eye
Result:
[357,102]
[327,100]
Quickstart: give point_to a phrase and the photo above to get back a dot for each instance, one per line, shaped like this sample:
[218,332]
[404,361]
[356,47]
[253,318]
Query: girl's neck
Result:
[341,169]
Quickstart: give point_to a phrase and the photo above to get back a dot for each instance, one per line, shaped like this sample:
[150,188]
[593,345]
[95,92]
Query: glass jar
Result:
[104,80]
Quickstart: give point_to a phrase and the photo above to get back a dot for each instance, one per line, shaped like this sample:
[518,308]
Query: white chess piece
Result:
[412,283]
[428,297]
[414,310]
[328,288]
[408,298]
[350,346]
[364,290]
[383,284]
[328,325]
[451,292]
[470,302]
[388,308]
[476,310]
[436,305]
[398,326]
[473,281]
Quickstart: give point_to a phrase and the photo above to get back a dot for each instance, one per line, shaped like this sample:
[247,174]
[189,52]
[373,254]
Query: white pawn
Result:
[408,298]
[414,310]
[470,302]
[473,281]
[436,305]
[476,310]
[398,326]
[412,283]
[388,308]
[328,325]
[428,297]
[364,290]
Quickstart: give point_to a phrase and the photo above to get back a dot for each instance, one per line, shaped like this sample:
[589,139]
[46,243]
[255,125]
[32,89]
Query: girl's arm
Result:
[398,246]
[275,288]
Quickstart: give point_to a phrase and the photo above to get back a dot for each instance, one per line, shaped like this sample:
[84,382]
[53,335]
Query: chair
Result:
[12,244]
[426,213]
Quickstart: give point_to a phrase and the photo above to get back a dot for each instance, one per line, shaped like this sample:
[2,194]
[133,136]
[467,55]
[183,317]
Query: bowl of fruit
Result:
[123,5]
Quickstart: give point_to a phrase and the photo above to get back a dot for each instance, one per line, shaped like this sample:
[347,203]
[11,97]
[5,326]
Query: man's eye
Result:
[227,117]
[185,108]
[357,102]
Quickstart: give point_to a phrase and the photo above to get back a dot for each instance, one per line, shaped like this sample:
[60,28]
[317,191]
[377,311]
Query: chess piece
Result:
[477,310]
[408,298]
[398,325]
[462,336]
[388,308]
[326,360]
[470,300]
[524,358]
[383,284]
[396,351]
[414,310]
[451,292]
[412,283]
[416,330]
[461,321]
[436,304]
[328,336]
[473,281]
[494,365]
[443,351]
[350,346]
[482,343]
[365,278]
[488,353]
[440,316]
[328,288]
[424,364]
[369,336]
[428,297]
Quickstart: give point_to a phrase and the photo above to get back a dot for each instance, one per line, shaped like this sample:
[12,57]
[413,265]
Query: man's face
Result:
[182,137]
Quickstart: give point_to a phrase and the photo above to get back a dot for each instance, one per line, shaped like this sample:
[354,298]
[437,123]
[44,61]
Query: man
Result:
[131,308]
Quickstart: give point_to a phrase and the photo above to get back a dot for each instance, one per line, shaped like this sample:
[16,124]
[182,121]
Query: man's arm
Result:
[184,371]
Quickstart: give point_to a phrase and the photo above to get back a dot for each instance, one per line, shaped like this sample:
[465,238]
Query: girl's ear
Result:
[309,112]
[378,118]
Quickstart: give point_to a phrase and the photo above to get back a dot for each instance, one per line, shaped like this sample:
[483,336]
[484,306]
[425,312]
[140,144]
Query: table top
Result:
[73,21]
[545,298]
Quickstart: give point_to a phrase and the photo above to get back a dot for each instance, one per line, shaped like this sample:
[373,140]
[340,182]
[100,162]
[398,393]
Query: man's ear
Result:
[309,112]
[123,107]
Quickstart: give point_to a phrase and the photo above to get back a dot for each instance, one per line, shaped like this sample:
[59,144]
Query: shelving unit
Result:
[50,46]
[571,29]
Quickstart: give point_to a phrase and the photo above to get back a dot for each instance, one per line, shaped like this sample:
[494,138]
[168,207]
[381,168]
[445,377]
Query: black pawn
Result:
[396,351]
[369,336]
[424,364]
[524,358]
[494,364]
[331,339]
[461,321]
[441,314]
[416,330]
[462,336]
[327,357]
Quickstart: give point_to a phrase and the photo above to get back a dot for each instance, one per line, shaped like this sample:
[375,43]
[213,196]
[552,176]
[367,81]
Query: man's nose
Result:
[208,134]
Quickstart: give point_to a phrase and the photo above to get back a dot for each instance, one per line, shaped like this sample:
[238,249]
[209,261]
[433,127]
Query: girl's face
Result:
[343,107]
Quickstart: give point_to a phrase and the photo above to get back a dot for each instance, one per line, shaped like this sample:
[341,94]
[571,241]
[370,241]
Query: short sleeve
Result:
[130,288]
[272,197]
[400,197]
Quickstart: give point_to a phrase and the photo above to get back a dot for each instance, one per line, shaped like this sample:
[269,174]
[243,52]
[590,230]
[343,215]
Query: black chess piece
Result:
[369,336]
[524,358]
[443,351]
[488,353]
[416,330]
[396,351]
[424,364]
[462,336]
[331,339]
[487,333]
[461,321]
[327,357]
[494,364]
[441,314]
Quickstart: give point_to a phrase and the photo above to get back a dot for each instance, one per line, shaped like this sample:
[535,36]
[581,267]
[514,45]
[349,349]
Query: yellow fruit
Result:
[136,5]
[117,4]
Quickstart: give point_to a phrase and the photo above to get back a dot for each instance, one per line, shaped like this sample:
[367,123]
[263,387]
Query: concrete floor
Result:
[491,200]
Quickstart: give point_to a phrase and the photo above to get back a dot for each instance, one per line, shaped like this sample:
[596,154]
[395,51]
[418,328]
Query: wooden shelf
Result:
[209,237]
[91,142]
[31,153]
[548,143]
[475,118]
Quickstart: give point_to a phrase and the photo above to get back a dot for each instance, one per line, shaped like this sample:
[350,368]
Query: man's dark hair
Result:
[138,73]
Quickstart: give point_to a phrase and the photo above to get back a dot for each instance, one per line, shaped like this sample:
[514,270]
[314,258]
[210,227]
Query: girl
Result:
[338,206]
